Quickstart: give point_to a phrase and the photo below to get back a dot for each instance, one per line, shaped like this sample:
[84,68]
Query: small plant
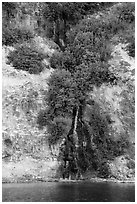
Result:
[26,58]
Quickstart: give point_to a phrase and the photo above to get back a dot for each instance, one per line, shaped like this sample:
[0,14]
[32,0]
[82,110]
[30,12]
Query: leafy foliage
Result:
[11,36]
[82,64]
[131,48]
[65,15]
[9,8]
[78,69]
[58,128]
[127,15]
[27,59]
[127,12]
[104,146]
[103,169]
[86,61]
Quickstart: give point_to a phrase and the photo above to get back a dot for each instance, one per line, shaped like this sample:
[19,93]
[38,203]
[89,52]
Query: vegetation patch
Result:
[82,116]
[11,36]
[27,59]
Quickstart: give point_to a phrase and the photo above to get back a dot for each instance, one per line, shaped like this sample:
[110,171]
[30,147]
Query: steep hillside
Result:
[27,154]
[23,143]
[118,101]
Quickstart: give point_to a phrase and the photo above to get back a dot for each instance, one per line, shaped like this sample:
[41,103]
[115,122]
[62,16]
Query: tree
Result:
[68,97]
[65,15]
[83,65]
[60,14]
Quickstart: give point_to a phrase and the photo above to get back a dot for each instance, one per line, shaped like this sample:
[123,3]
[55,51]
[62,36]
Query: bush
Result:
[26,58]
[131,47]
[42,118]
[8,37]
[103,170]
[127,12]
[58,129]
[12,36]
[131,164]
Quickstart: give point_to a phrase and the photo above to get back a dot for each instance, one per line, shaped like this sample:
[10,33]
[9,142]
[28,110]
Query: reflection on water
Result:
[68,192]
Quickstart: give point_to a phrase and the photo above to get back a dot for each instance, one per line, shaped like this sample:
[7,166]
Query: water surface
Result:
[68,192]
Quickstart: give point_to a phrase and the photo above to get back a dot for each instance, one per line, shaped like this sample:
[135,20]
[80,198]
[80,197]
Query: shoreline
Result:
[94,180]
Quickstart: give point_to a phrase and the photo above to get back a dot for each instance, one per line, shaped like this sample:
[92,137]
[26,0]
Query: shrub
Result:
[26,58]
[58,129]
[127,12]
[131,47]
[131,164]
[24,34]
[12,36]
[8,37]
[103,170]
[42,118]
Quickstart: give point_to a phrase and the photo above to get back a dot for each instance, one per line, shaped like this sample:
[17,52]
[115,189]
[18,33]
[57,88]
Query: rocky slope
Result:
[26,153]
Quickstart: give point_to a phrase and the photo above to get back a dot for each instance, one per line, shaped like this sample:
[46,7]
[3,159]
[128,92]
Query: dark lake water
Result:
[68,192]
